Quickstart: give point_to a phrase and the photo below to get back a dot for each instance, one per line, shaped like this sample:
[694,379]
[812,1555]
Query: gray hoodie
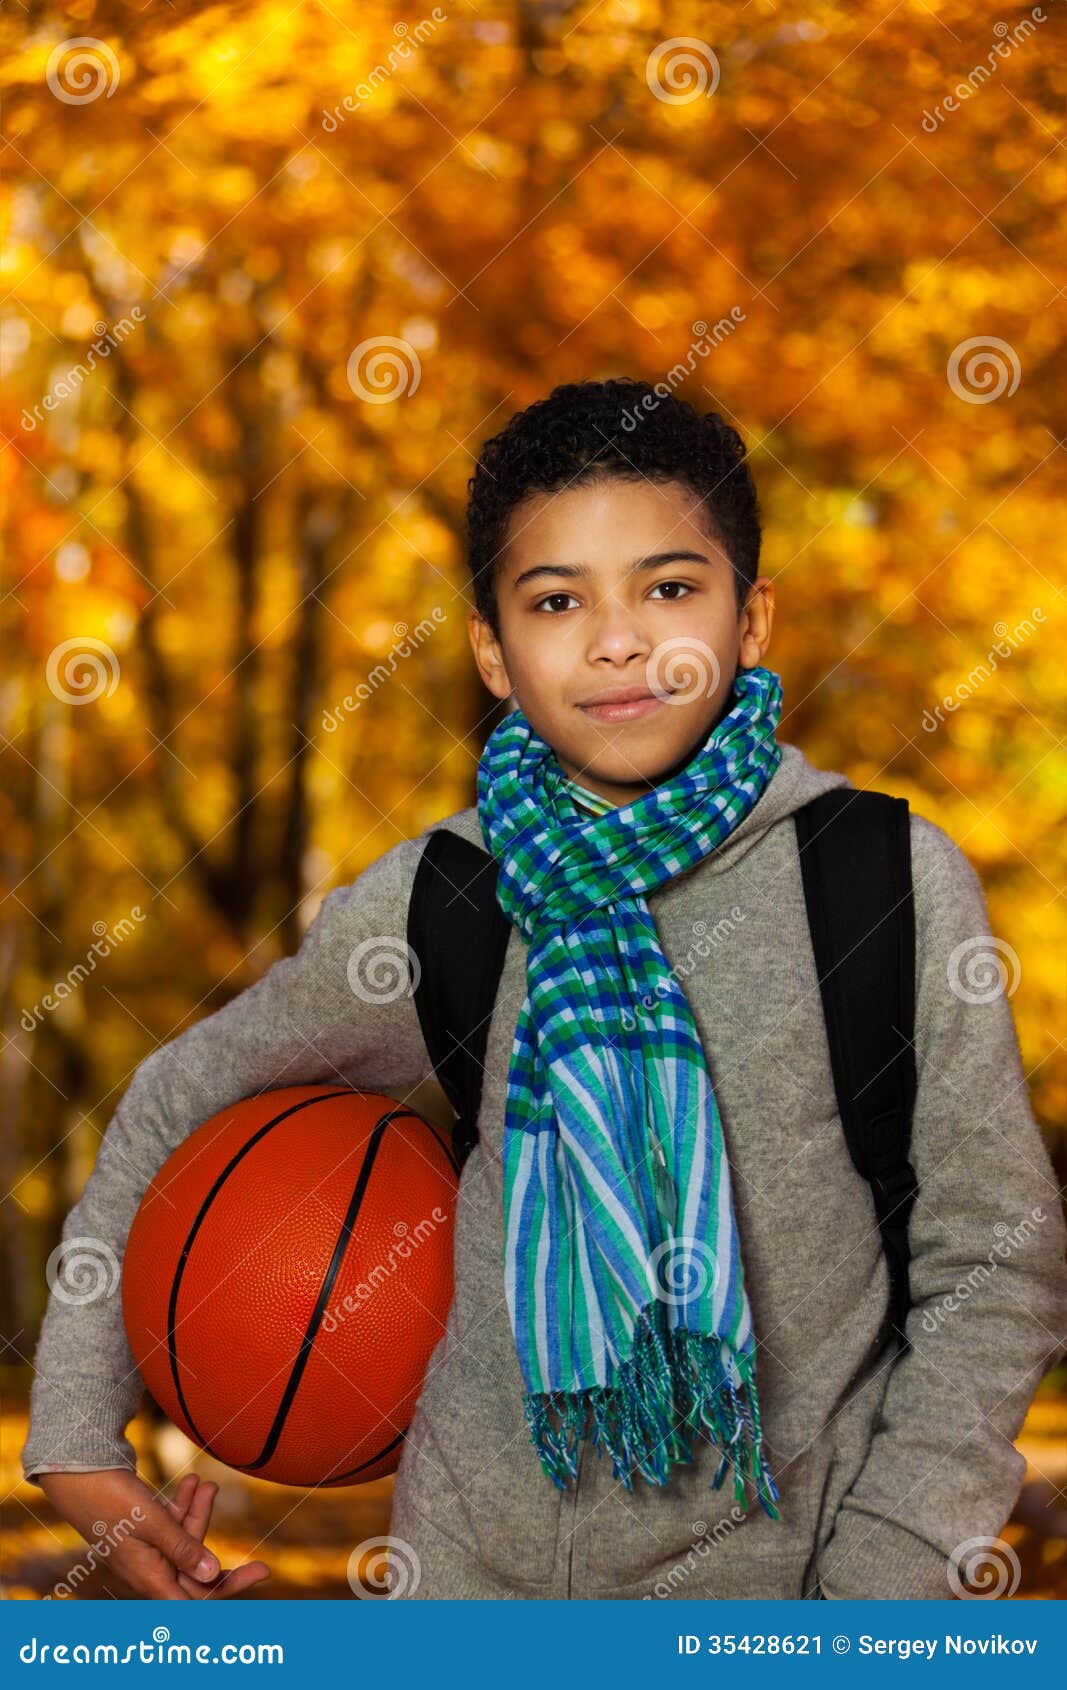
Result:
[885,1467]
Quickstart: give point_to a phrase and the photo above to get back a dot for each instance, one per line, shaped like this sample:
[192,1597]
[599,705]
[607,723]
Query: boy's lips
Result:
[621,704]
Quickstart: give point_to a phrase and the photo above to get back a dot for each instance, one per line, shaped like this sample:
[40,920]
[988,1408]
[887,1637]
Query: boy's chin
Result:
[634,763]
[627,773]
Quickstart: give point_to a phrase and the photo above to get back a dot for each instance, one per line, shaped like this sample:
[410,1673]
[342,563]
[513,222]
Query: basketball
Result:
[288,1275]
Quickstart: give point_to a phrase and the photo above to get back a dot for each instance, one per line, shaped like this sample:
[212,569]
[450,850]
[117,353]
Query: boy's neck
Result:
[594,802]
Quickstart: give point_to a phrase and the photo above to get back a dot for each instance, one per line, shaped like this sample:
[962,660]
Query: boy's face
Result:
[579,618]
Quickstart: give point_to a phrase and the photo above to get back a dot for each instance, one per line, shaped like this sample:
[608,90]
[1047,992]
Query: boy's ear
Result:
[756,622]
[488,655]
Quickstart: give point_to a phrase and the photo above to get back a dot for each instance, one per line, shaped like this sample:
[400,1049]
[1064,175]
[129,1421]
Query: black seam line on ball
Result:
[338,1478]
[235,1160]
[344,1238]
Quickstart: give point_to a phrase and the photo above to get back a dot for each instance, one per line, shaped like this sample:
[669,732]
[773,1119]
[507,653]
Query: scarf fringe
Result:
[670,1373]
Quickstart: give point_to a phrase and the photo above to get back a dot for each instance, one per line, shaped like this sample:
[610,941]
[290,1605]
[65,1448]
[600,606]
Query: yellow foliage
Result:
[224,498]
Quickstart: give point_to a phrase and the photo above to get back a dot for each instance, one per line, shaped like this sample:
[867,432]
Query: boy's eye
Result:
[683,584]
[542,602]
[686,588]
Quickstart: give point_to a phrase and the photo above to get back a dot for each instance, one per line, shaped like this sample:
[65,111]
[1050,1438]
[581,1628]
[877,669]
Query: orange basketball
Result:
[286,1278]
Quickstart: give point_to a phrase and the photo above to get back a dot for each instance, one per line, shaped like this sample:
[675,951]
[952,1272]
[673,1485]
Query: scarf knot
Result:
[581,873]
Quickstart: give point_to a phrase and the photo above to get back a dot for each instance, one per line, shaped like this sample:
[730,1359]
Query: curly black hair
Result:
[591,430]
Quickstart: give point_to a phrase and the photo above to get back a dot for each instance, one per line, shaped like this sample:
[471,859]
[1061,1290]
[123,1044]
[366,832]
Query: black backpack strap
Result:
[459,934]
[855,857]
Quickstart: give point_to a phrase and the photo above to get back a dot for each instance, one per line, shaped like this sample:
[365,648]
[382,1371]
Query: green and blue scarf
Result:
[622,1264]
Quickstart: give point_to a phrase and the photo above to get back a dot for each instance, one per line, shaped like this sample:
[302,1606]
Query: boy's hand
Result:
[158,1551]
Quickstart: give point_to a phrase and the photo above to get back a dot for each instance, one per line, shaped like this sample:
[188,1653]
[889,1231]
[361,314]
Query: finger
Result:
[178,1505]
[154,1579]
[232,1583]
[163,1586]
[191,1504]
[229,1584]
[196,1591]
[200,1506]
[185,1553]
[147,1571]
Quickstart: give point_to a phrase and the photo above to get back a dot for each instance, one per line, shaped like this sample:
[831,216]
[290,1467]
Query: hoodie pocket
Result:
[487,1495]
[653,1534]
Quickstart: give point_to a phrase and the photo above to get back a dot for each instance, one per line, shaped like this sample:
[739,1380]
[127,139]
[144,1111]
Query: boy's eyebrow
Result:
[574,571]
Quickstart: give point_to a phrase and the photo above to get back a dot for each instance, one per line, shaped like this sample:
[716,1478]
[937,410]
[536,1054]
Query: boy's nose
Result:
[615,633]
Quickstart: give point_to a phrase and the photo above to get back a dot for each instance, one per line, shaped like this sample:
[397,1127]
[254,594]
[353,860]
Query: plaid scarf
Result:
[622,1272]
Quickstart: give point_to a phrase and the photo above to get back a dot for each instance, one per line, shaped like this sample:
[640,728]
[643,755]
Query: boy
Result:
[619,611]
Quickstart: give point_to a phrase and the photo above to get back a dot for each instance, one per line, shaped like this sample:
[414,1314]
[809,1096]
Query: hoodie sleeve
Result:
[340,1010]
[988,1281]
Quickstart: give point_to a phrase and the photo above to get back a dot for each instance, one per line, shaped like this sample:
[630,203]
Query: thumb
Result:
[186,1552]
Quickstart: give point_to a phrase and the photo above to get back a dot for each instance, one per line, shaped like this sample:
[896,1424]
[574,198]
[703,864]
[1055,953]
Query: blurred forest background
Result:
[272,273]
